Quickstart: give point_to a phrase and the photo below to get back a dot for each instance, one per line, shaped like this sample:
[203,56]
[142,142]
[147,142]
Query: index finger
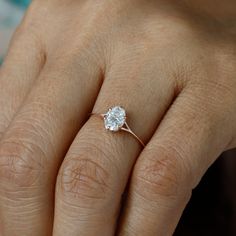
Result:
[20,69]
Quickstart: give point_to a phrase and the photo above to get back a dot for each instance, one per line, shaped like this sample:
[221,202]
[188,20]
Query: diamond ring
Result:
[115,120]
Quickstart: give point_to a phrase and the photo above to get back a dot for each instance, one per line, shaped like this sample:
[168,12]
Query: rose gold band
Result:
[125,128]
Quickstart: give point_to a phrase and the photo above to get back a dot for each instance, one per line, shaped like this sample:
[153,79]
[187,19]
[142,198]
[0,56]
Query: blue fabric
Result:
[11,12]
[21,3]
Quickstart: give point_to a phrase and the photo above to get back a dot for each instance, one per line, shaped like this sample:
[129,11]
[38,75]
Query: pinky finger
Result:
[186,143]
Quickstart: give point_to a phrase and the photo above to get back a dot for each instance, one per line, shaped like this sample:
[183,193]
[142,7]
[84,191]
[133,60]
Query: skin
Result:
[171,64]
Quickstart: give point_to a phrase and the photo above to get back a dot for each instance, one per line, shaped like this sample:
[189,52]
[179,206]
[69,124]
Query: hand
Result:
[170,64]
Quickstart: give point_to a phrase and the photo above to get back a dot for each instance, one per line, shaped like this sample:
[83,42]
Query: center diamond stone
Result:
[115,118]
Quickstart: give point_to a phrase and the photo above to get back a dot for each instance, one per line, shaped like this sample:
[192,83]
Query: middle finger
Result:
[36,141]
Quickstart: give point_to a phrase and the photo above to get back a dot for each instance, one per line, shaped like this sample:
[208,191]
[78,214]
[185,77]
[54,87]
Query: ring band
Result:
[115,120]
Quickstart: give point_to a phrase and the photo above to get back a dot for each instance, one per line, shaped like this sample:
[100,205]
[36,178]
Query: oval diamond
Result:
[115,118]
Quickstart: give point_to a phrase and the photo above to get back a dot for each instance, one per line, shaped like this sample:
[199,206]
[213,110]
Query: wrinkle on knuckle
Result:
[163,174]
[3,127]
[96,148]
[21,164]
[5,116]
[33,128]
[83,178]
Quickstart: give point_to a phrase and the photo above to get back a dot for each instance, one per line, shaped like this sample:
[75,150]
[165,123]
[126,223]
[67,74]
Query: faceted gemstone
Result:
[114,119]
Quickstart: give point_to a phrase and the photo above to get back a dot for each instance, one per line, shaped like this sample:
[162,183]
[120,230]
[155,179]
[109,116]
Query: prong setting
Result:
[115,120]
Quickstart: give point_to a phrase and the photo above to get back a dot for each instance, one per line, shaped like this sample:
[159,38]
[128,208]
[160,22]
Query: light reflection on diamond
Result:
[115,118]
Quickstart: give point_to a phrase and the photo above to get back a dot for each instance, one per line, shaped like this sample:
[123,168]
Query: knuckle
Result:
[83,178]
[162,174]
[21,164]
[22,40]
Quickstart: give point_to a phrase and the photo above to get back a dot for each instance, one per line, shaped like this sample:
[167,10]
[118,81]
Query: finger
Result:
[96,168]
[187,141]
[19,71]
[35,143]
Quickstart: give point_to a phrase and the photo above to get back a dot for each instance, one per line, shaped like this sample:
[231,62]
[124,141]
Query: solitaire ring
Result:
[115,120]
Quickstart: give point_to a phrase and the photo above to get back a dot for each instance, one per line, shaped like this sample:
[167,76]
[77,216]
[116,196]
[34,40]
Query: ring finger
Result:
[96,168]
